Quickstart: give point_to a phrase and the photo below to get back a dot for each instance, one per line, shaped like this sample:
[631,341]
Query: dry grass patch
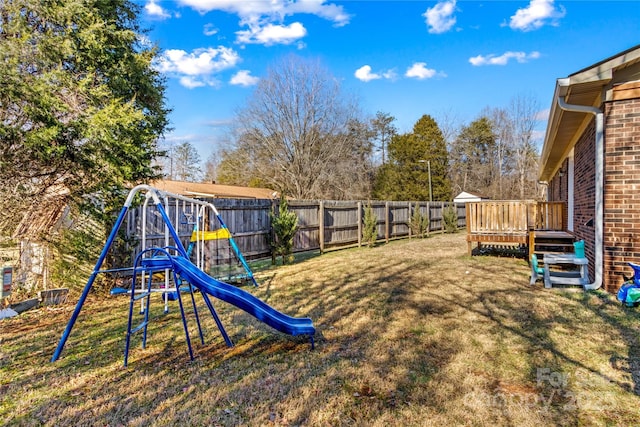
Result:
[410,333]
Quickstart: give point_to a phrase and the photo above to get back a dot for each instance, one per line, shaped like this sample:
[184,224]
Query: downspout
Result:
[599,211]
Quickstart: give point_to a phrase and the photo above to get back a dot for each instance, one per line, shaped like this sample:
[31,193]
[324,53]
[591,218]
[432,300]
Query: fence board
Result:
[250,223]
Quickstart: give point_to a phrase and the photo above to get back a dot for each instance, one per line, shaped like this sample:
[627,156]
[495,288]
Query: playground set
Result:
[171,269]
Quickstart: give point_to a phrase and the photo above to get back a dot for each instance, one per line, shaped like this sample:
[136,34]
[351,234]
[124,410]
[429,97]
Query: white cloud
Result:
[390,74]
[543,115]
[537,14]
[420,71]
[243,78]
[273,10]
[154,9]
[197,69]
[202,61]
[271,34]
[264,19]
[321,8]
[191,82]
[503,59]
[364,73]
[210,30]
[440,18]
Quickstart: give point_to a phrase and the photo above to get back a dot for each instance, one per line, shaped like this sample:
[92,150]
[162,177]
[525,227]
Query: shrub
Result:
[450,218]
[370,227]
[419,223]
[285,225]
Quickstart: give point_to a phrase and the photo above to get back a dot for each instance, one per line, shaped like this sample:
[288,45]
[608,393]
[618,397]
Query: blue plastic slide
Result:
[242,299]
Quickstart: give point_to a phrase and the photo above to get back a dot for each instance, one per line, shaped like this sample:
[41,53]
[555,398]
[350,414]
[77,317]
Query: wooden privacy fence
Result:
[322,224]
[511,221]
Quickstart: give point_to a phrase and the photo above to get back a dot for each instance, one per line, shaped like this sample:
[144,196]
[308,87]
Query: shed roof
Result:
[204,189]
[466,196]
[590,86]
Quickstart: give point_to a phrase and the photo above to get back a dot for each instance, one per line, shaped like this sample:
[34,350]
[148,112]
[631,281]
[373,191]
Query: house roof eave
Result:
[586,87]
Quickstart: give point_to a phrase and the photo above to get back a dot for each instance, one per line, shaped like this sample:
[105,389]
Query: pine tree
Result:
[413,159]
[81,107]
[419,223]
[284,225]
[370,227]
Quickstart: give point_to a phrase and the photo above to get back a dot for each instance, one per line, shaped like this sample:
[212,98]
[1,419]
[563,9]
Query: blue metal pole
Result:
[130,319]
[227,340]
[89,284]
[195,311]
[184,318]
[172,230]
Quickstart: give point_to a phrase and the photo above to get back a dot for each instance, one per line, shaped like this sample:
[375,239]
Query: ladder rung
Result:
[142,295]
[137,328]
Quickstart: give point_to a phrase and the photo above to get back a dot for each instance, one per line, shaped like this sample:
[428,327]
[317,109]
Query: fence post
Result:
[272,234]
[359,215]
[409,219]
[386,222]
[321,225]
[428,218]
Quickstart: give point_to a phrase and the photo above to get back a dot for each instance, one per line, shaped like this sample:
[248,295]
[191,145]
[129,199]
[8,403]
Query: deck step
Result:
[551,242]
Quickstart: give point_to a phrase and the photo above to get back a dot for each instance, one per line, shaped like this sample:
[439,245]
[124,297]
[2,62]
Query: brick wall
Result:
[584,202]
[622,189]
[558,185]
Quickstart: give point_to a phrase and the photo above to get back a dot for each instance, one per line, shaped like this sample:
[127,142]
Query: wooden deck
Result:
[512,222]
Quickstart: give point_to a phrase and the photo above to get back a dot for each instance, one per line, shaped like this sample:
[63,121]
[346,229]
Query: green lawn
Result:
[413,333]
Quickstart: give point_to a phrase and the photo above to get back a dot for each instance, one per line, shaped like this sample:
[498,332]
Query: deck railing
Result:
[510,221]
[548,216]
[514,217]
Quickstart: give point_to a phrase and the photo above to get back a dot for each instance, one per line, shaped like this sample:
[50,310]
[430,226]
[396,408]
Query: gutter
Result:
[599,196]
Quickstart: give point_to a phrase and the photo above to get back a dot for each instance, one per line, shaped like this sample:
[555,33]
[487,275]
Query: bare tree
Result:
[186,162]
[503,131]
[449,123]
[297,130]
[181,162]
[473,158]
[515,153]
[211,167]
[522,111]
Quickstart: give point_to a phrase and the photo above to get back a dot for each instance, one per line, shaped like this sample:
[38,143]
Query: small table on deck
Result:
[579,276]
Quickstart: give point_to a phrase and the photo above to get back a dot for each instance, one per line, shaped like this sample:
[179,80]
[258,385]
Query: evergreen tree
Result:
[475,165]
[450,219]
[285,225]
[414,159]
[384,130]
[419,223]
[370,227]
[81,107]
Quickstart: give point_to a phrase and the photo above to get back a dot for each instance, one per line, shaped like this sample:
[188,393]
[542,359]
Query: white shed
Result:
[468,197]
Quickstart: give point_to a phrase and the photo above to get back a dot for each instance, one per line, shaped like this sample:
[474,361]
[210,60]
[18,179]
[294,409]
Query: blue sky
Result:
[405,58]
